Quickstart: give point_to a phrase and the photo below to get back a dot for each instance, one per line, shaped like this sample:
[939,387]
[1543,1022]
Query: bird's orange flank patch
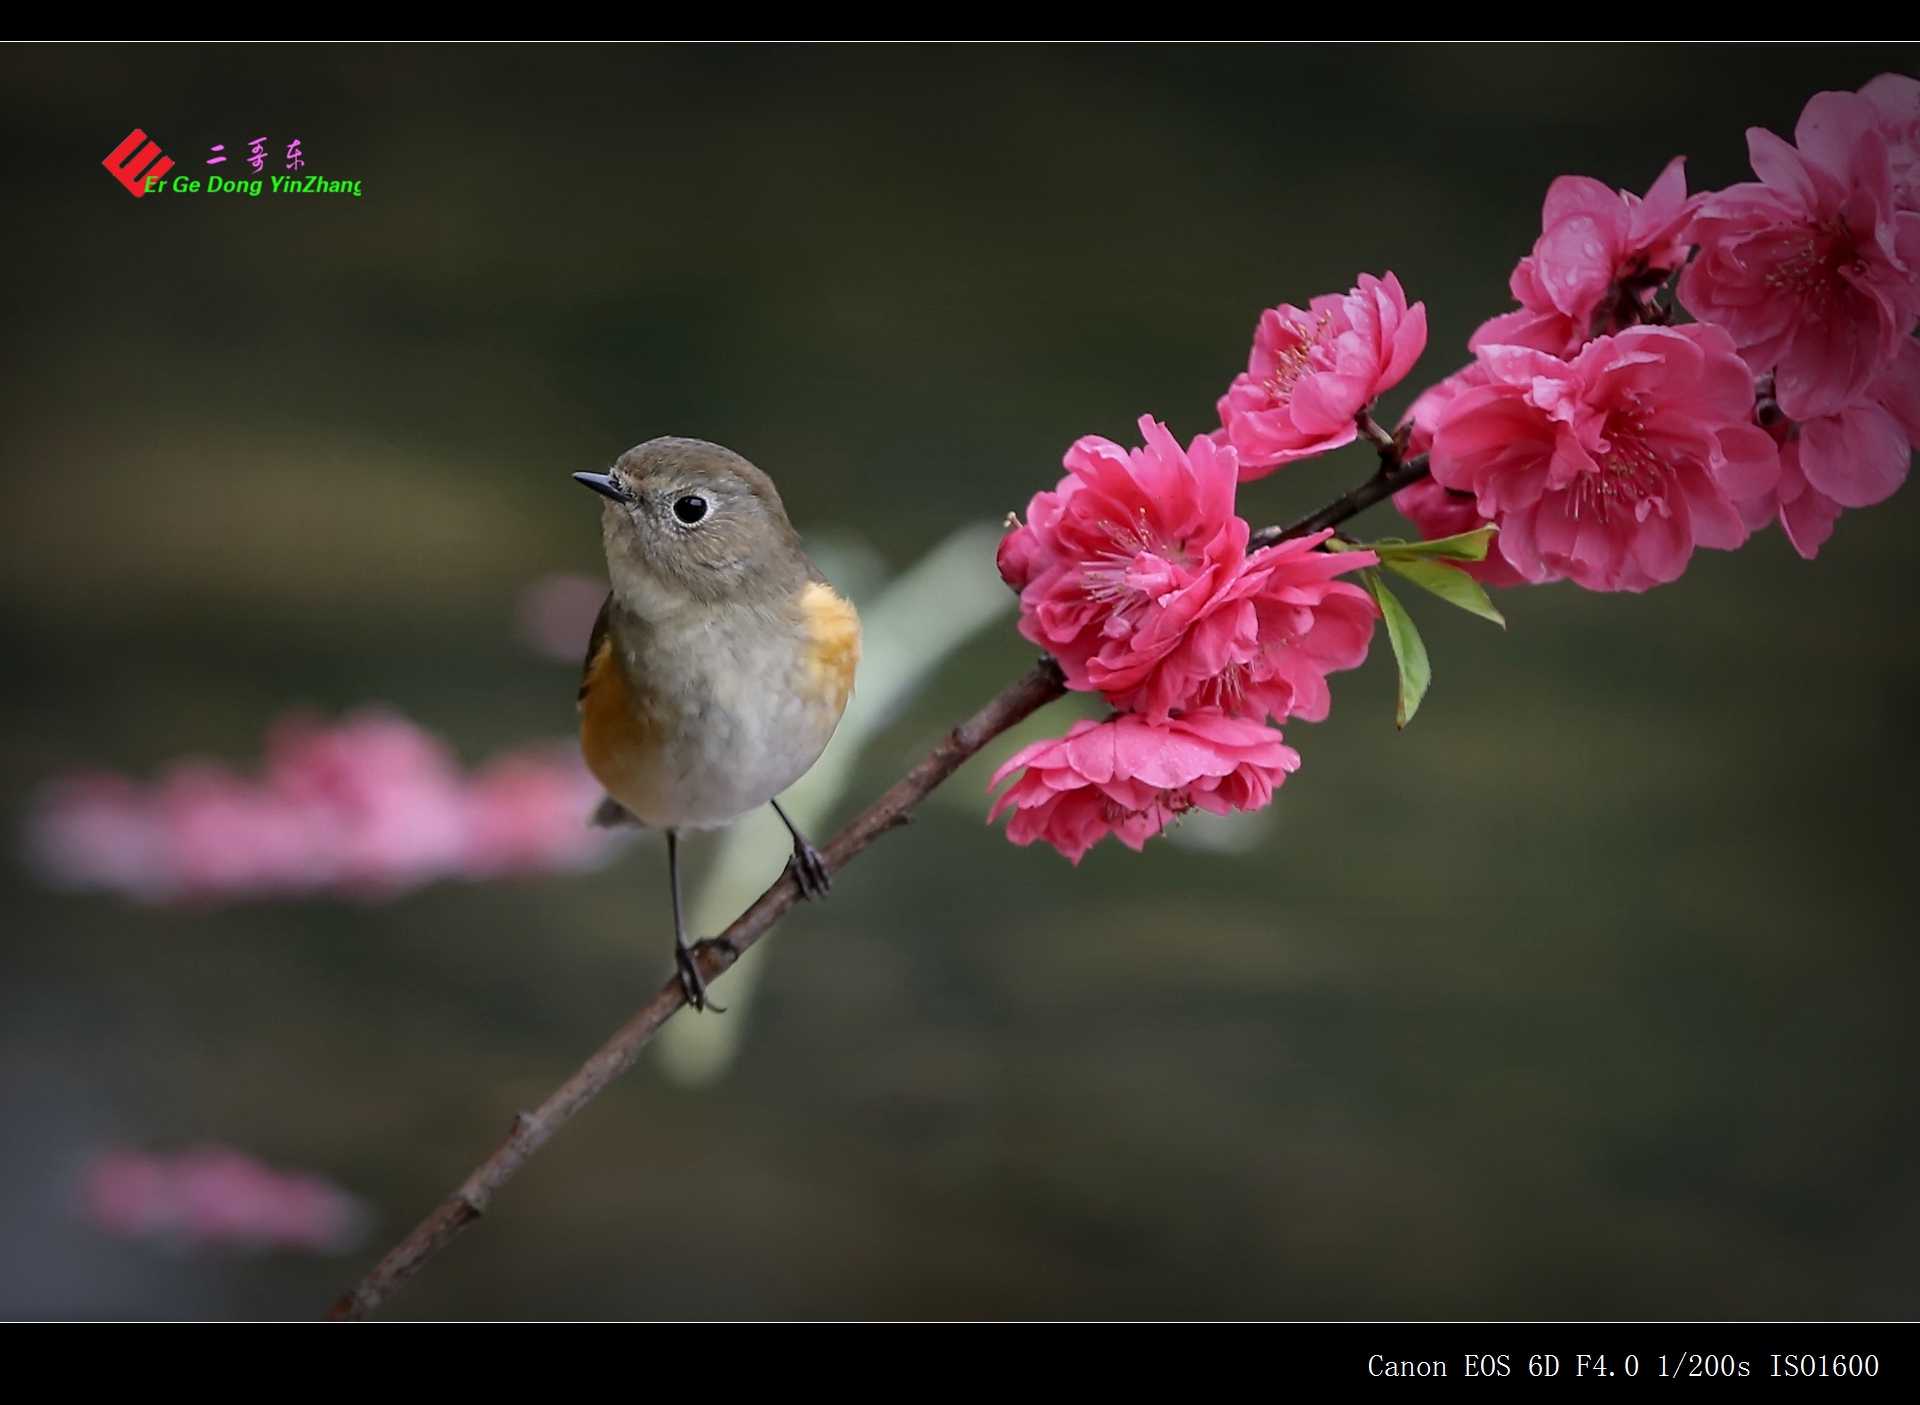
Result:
[613,733]
[834,627]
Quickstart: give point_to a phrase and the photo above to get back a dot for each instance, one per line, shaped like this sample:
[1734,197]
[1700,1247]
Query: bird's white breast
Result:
[734,716]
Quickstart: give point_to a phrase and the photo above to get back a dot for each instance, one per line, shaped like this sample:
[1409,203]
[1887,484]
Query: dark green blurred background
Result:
[1589,995]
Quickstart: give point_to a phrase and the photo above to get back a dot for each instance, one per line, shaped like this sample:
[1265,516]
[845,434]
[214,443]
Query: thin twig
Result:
[1371,431]
[1392,477]
[532,1130]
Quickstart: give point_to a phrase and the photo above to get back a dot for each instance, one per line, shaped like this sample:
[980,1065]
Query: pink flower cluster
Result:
[1134,574]
[213,1197]
[1606,443]
[368,808]
[1814,271]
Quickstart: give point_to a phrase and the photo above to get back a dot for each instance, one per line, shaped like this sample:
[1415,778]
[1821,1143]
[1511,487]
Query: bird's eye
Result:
[690,509]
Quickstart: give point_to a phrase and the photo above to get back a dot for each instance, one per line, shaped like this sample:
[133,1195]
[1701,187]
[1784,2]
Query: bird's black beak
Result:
[605,485]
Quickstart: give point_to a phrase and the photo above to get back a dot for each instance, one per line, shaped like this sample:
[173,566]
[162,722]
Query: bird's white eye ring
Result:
[690,509]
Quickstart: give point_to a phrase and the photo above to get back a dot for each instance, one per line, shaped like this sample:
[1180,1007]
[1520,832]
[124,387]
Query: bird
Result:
[721,662]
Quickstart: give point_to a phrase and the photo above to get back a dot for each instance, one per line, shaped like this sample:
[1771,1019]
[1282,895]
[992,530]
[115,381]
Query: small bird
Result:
[721,661]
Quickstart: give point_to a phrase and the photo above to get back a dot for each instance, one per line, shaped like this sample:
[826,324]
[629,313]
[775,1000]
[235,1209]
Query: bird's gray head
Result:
[686,521]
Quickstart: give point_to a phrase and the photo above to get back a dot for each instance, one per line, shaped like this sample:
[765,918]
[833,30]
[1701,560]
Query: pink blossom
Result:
[1130,777]
[1134,574]
[1858,457]
[1129,543]
[1814,269]
[213,1197]
[1896,108]
[1447,512]
[1898,391]
[1302,626]
[1310,373]
[1425,411]
[369,808]
[1609,469]
[1855,458]
[1601,255]
[1806,514]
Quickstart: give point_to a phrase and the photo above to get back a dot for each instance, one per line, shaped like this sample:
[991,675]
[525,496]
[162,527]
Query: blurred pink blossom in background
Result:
[369,807]
[213,1197]
[556,615]
[1311,372]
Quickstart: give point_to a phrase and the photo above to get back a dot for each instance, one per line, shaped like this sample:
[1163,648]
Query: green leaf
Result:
[1452,585]
[1468,546]
[1415,671]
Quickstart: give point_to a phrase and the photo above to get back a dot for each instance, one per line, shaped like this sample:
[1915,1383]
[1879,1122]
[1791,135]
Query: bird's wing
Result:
[597,644]
[610,812]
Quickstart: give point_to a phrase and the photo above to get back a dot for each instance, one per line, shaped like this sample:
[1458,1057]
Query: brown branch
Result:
[533,1130]
[1371,431]
[1392,477]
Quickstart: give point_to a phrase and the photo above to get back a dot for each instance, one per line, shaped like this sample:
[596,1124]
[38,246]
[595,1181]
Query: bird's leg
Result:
[809,869]
[691,981]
